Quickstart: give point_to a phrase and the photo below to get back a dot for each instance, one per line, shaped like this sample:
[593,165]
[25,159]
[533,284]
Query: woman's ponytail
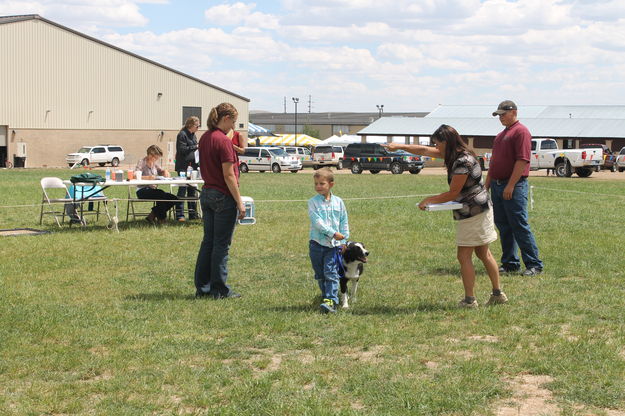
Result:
[219,112]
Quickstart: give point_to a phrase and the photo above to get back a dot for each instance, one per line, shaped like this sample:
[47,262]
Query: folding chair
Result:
[186,199]
[130,206]
[53,204]
[91,195]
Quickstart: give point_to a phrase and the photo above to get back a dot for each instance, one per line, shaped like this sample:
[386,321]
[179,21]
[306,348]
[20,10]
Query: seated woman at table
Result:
[150,169]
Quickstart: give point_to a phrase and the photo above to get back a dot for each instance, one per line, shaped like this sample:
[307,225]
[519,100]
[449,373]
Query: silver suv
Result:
[100,154]
[325,155]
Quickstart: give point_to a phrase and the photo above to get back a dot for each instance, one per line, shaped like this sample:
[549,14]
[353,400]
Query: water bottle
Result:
[107,175]
[189,170]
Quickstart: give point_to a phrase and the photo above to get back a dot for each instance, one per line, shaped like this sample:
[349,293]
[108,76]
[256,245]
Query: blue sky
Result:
[350,55]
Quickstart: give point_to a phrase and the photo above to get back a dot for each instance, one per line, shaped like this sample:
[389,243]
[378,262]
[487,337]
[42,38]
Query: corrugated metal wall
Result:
[51,78]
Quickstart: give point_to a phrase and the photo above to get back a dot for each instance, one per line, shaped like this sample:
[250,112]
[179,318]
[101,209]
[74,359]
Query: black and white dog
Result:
[354,255]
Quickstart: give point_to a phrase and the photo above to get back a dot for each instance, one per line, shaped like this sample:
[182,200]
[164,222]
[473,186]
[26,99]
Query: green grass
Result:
[98,322]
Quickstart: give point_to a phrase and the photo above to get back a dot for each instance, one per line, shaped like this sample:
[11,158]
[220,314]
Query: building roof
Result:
[555,121]
[539,127]
[345,118]
[21,18]
[533,111]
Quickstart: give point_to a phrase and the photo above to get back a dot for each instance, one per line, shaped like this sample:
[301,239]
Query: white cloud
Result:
[240,14]
[352,54]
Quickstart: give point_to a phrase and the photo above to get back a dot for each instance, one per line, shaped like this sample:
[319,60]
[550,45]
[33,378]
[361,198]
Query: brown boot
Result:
[151,218]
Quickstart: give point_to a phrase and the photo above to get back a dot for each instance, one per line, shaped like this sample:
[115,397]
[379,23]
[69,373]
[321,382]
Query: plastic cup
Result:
[131,175]
[138,175]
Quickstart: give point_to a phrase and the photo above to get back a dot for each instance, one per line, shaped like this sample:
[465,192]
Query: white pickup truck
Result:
[546,155]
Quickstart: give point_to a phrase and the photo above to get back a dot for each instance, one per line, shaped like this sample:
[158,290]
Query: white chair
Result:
[56,205]
[53,204]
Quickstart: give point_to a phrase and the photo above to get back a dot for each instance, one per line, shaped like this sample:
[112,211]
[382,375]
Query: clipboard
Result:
[445,206]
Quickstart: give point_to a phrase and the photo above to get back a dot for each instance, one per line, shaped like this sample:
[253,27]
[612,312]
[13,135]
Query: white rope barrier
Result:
[116,200]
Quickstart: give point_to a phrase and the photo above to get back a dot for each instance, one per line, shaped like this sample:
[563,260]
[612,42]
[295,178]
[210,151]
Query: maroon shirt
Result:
[512,144]
[215,149]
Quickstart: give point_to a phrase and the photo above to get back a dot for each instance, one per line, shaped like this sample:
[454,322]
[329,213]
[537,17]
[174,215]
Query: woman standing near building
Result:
[221,203]
[186,145]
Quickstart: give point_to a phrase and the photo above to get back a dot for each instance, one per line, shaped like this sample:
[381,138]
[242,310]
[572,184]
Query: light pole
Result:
[380,109]
[295,100]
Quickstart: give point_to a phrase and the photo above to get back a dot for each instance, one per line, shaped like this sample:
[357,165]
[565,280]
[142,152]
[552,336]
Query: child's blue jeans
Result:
[326,271]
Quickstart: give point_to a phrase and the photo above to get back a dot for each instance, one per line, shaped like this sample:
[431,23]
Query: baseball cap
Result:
[504,106]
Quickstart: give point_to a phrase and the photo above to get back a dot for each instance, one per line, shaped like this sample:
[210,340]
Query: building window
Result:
[568,144]
[191,111]
[483,142]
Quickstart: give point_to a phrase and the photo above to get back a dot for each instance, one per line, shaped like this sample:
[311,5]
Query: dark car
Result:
[609,158]
[375,158]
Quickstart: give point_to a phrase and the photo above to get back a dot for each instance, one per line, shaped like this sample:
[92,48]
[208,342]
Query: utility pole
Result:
[285,104]
[295,100]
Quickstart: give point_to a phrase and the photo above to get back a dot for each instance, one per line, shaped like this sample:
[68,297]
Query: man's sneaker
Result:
[532,271]
[504,269]
[497,299]
[470,305]
[328,306]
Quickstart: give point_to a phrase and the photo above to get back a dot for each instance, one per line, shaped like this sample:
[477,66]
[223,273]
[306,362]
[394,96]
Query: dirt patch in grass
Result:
[529,398]
[484,338]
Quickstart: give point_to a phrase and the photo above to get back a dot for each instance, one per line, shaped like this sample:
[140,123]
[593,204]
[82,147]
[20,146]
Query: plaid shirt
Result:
[327,218]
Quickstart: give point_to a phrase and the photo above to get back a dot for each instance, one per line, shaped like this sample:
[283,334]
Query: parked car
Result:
[302,153]
[546,155]
[375,158]
[620,160]
[100,154]
[263,159]
[325,155]
[609,158]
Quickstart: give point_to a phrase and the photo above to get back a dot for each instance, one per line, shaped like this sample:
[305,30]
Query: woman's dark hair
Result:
[454,144]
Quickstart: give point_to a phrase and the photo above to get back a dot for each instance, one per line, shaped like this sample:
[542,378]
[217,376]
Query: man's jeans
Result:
[211,269]
[326,272]
[514,229]
[188,191]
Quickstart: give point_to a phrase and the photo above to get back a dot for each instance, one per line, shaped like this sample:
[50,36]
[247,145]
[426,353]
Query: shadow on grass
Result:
[370,310]
[160,296]
[444,271]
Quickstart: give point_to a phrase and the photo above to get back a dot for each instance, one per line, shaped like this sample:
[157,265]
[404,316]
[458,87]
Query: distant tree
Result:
[311,132]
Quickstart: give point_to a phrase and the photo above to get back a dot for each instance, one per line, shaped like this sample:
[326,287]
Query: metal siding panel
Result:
[48,68]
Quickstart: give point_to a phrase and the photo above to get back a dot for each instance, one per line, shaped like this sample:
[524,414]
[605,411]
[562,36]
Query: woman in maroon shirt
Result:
[221,203]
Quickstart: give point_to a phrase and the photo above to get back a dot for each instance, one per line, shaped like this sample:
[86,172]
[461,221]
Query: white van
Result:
[263,159]
[302,153]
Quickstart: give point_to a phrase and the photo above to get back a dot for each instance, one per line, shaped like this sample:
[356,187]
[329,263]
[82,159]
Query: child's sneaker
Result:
[497,299]
[465,304]
[328,306]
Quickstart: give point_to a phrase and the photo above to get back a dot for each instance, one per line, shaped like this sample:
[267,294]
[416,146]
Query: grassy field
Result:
[104,323]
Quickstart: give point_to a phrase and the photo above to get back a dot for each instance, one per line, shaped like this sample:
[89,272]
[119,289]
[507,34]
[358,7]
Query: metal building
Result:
[61,89]
[570,125]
